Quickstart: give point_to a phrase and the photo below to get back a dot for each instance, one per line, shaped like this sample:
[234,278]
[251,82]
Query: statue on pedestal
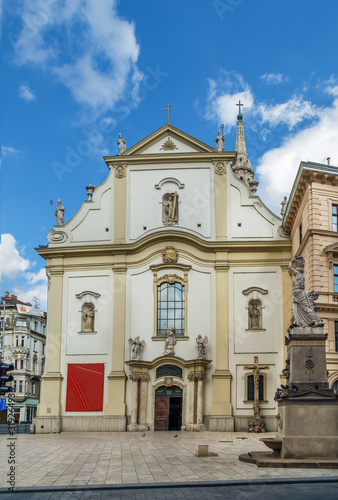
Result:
[220,141]
[201,345]
[59,214]
[303,308]
[170,342]
[121,144]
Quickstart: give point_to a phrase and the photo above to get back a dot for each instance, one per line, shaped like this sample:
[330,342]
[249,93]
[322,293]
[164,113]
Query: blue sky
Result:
[77,73]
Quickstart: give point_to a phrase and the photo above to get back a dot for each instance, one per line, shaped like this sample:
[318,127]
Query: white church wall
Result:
[194,189]
[264,339]
[93,227]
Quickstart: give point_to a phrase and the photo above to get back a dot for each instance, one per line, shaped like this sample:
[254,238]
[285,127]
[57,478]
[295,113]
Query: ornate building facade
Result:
[169,294]
[311,219]
[25,340]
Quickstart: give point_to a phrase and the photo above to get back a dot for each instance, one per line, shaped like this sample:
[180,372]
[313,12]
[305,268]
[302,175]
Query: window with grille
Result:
[170,308]
[251,388]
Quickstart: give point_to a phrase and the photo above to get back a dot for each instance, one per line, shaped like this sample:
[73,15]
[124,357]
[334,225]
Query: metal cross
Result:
[239,105]
[168,108]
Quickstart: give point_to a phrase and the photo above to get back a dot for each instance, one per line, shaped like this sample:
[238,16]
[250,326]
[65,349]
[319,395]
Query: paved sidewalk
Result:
[120,458]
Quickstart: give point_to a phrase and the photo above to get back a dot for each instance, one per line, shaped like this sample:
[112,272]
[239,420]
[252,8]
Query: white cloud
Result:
[10,151]
[26,93]
[224,94]
[17,275]
[98,49]
[12,262]
[277,168]
[290,113]
[274,78]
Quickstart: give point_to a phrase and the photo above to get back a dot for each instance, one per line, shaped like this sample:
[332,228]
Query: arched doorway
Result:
[168,408]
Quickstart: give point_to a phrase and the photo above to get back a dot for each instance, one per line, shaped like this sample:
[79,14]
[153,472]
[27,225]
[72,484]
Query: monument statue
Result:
[220,141]
[170,342]
[303,309]
[256,424]
[201,345]
[136,347]
[121,144]
[89,319]
[254,314]
[59,214]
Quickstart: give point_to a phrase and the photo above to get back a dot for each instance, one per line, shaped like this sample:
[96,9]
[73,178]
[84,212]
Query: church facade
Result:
[168,294]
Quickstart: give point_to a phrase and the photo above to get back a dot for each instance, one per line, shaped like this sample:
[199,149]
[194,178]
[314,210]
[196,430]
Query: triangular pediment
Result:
[169,140]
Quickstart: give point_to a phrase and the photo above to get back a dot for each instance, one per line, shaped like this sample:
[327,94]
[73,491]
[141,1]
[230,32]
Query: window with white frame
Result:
[171,308]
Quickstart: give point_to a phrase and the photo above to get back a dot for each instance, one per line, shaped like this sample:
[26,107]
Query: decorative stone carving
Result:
[279,421]
[220,168]
[8,323]
[170,278]
[302,308]
[168,381]
[121,144]
[220,141]
[201,346]
[247,291]
[90,190]
[170,342]
[136,347]
[170,204]
[283,207]
[120,171]
[87,292]
[170,255]
[59,214]
[168,145]
[21,352]
[55,236]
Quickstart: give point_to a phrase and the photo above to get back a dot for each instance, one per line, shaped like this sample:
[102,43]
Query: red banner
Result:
[85,387]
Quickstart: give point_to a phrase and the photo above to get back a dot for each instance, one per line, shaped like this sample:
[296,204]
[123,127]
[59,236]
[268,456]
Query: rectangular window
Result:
[170,308]
[16,341]
[33,388]
[335,278]
[14,385]
[22,341]
[334,218]
[251,388]
[300,233]
[20,322]
[36,326]
[20,386]
[16,364]
[21,364]
[336,334]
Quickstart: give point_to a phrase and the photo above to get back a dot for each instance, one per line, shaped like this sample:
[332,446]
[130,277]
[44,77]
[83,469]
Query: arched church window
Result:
[170,308]
[87,317]
[255,314]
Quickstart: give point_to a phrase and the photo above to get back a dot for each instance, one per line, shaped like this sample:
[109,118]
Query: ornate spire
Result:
[242,168]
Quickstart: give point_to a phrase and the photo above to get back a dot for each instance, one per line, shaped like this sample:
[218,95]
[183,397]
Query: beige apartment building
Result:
[311,219]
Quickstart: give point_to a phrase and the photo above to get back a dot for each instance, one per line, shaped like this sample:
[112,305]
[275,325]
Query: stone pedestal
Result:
[308,408]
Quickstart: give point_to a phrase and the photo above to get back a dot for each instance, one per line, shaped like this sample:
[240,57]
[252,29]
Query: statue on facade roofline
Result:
[59,214]
[136,347]
[220,141]
[121,144]
[303,305]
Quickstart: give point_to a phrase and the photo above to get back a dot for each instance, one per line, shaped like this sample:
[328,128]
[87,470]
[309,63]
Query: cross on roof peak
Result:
[168,109]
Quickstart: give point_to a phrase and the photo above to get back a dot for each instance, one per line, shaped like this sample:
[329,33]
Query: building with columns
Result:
[310,218]
[164,288]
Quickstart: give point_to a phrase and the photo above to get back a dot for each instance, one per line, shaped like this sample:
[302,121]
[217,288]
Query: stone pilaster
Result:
[133,426]
[199,426]
[143,426]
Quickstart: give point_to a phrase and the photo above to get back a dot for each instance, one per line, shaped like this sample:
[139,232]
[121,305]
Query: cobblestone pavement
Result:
[118,458]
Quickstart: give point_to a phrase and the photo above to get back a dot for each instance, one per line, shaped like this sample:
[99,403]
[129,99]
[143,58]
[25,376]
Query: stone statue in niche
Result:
[254,315]
[88,317]
[170,342]
[121,144]
[303,306]
[59,214]
[136,347]
[170,203]
[201,346]
[220,141]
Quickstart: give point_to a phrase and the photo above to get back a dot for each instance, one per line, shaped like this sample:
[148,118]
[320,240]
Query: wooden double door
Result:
[168,408]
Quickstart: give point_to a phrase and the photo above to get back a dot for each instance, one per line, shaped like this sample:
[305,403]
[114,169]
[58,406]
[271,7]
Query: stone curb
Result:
[201,484]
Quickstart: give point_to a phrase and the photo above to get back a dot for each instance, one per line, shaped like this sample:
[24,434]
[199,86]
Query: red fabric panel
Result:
[85,387]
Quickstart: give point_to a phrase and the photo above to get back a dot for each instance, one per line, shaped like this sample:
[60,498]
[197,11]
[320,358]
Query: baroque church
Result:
[168,294]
